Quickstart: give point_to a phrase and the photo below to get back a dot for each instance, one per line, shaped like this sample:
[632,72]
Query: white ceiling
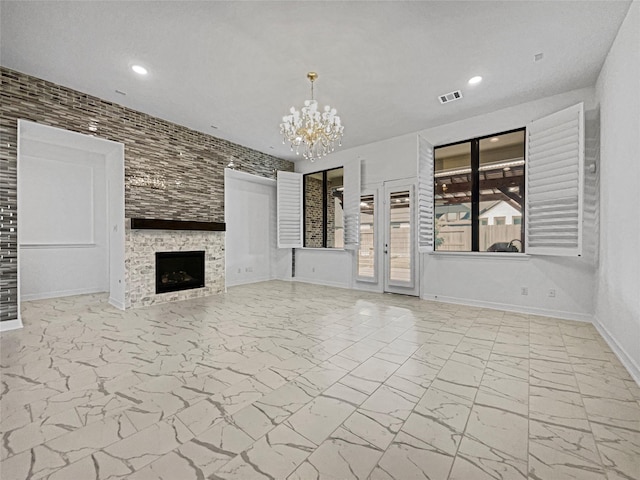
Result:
[241,65]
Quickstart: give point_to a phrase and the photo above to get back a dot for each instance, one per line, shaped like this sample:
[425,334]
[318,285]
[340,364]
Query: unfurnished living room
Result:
[320,240]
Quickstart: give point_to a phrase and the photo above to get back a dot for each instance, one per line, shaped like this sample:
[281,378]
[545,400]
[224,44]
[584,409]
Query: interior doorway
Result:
[71,211]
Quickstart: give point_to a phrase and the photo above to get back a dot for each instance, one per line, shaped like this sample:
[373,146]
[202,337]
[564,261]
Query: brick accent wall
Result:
[331,215]
[313,212]
[191,163]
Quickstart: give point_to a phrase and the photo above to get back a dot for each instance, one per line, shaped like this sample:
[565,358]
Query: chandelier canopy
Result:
[316,132]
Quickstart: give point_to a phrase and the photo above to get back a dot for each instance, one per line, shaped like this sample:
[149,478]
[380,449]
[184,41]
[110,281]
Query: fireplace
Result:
[177,271]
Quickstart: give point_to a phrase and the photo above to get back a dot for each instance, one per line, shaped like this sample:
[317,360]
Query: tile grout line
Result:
[474,398]
[202,313]
[596,442]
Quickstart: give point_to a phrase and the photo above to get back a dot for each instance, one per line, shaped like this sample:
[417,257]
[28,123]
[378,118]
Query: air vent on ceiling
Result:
[450,97]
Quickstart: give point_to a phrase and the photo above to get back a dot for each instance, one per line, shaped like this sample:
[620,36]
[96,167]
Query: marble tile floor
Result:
[282,380]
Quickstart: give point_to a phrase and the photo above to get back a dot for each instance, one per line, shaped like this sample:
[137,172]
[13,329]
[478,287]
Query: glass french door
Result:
[400,256]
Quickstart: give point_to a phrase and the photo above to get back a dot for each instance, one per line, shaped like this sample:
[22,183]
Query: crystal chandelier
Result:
[317,132]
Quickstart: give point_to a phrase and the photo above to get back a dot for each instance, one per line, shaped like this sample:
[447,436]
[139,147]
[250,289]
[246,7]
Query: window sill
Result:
[484,255]
[322,249]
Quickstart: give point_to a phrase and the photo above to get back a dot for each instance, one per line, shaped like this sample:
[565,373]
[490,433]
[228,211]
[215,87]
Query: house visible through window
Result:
[323,209]
[479,194]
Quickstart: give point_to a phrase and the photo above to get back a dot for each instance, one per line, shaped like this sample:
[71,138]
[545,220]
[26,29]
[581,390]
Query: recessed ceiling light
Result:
[139,69]
[494,139]
[475,80]
[538,56]
[120,92]
[214,127]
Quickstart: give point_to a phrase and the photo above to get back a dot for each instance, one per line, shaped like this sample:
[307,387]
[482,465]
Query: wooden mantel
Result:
[158,224]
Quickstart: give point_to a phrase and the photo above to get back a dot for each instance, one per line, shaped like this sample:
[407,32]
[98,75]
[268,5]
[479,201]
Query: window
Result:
[366,251]
[320,209]
[399,248]
[323,209]
[553,182]
[479,190]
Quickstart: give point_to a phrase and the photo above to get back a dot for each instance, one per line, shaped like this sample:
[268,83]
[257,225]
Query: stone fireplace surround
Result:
[141,245]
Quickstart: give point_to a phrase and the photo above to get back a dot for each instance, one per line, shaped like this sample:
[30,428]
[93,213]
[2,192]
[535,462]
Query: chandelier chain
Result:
[312,80]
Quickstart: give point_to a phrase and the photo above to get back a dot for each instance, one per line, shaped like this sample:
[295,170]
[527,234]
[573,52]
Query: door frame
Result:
[388,286]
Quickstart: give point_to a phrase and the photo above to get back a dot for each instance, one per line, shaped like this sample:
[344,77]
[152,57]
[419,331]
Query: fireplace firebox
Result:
[179,271]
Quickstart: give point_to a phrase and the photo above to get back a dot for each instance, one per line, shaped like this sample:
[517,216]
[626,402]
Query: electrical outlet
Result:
[552,292]
[239,270]
[248,269]
[313,269]
[524,291]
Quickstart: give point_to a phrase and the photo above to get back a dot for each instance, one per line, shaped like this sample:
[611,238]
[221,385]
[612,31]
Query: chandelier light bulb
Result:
[310,129]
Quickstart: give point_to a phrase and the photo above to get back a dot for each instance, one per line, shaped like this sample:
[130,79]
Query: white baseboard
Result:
[116,303]
[10,325]
[62,293]
[367,287]
[326,283]
[249,280]
[629,363]
[581,317]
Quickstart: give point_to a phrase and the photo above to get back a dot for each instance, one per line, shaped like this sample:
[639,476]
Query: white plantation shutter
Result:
[426,233]
[289,210]
[554,183]
[351,210]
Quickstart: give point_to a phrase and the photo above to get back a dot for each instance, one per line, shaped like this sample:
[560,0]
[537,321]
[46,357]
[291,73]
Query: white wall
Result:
[391,159]
[324,266]
[617,308]
[63,221]
[495,281]
[498,281]
[115,212]
[250,241]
